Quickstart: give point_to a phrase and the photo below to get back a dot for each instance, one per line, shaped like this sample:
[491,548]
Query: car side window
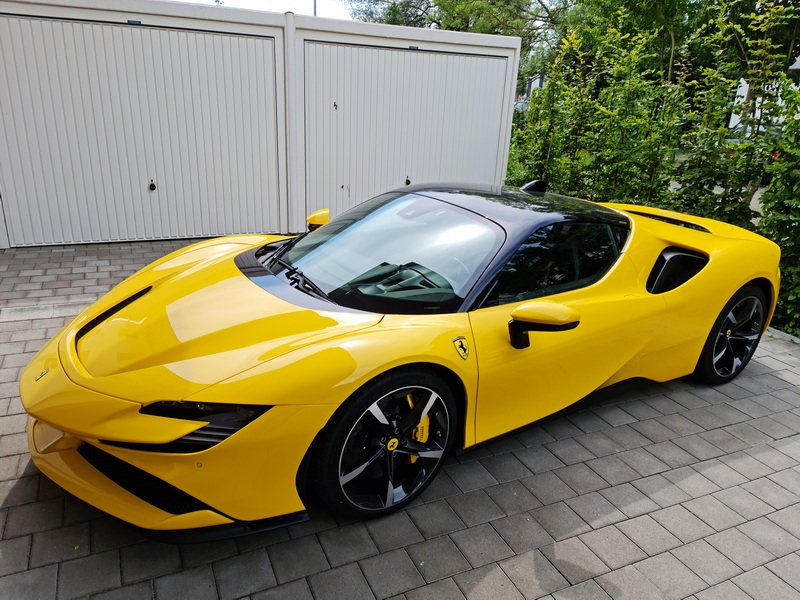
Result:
[555,259]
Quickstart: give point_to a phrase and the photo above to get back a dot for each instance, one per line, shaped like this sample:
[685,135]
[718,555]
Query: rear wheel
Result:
[734,336]
[386,445]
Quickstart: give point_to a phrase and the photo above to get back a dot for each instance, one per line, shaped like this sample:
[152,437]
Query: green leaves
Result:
[604,127]
[781,209]
[608,125]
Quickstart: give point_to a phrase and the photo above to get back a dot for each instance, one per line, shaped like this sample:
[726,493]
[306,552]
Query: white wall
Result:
[245,121]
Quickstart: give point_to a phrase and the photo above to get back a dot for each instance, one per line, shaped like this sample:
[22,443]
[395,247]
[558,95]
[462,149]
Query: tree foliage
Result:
[668,22]
[410,13]
[534,21]
[722,168]
[598,105]
[628,117]
[781,207]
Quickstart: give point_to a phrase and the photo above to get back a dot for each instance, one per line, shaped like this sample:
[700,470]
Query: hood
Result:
[181,334]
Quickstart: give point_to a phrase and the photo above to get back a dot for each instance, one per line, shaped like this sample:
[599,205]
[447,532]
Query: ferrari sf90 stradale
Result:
[205,391]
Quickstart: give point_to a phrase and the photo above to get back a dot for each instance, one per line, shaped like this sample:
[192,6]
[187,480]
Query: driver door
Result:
[573,265]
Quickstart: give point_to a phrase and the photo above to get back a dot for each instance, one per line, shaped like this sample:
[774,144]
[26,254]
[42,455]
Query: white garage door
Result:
[377,116]
[101,110]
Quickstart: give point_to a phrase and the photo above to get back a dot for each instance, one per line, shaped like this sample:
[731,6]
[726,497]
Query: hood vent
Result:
[109,313]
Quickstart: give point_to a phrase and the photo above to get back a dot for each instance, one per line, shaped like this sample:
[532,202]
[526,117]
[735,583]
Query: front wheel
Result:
[734,337]
[386,444]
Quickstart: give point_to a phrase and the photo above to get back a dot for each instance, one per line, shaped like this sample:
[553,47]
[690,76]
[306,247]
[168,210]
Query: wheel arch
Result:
[459,391]
[451,380]
[728,328]
[765,285]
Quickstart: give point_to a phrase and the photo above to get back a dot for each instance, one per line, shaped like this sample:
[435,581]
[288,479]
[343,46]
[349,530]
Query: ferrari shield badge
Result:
[461,346]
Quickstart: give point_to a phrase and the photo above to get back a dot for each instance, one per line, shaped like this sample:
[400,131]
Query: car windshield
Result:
[398,253]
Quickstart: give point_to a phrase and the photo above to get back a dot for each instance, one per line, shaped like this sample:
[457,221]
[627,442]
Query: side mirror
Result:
[318,218]
[540,316]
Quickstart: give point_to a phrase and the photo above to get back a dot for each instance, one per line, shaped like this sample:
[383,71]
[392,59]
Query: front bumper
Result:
[65,466]
[72,471]
[249,477]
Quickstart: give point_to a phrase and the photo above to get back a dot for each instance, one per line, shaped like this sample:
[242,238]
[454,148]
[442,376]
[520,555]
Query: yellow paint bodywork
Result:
[255,348]
[560,367]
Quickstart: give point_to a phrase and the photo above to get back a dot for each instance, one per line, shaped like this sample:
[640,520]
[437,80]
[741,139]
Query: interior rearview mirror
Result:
[540,316]
[318,218]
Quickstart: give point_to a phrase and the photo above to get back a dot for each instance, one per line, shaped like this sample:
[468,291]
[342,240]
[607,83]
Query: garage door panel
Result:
[375,116]
[101,109]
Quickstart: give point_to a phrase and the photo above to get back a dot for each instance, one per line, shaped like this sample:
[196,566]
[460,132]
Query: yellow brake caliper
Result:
[422,430]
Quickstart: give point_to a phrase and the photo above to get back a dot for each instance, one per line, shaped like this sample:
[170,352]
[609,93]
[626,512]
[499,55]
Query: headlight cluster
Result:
[223,421]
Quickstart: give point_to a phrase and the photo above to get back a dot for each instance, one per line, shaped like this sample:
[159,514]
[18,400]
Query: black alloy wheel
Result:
[734,337]
[387,444]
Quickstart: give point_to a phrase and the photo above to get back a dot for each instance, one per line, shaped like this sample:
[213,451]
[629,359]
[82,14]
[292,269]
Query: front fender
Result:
[327,373]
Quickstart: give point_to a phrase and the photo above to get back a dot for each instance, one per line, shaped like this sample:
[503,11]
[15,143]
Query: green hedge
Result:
[605,127]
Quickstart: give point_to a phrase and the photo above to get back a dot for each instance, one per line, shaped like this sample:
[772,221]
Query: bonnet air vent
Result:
[110,312]
[673,268]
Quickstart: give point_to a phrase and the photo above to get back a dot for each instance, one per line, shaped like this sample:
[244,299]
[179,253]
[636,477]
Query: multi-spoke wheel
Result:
[386,445]
[734,336]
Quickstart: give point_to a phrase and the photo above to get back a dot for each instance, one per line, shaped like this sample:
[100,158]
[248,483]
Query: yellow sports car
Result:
[206,391]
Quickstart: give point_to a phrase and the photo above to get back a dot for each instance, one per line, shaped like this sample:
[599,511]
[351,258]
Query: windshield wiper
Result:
[275,257]
[299,280]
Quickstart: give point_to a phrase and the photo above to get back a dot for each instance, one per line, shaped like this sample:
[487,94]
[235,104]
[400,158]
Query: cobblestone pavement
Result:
[655,491]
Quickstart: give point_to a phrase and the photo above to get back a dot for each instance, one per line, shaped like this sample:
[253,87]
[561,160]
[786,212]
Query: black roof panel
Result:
[516,211]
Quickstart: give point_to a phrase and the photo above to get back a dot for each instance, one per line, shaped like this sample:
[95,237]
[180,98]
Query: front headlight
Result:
[222,421]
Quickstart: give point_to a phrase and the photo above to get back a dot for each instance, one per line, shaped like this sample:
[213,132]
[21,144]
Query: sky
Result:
[332,9]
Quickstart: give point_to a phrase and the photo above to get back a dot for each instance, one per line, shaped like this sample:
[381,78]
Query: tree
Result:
[616,122]
[532,21]
[599,128]
[410,13]
[499,17]
[722,168]
[781,206]
[760,29]
[668,22]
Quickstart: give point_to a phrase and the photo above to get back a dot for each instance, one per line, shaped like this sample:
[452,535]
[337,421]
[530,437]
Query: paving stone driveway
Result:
[655,491]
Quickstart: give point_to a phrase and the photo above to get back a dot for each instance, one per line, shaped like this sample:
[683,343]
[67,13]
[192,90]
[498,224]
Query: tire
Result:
[734,337]
[386,443]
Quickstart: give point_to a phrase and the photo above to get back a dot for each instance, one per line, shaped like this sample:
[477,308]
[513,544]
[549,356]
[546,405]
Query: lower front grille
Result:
[141,484]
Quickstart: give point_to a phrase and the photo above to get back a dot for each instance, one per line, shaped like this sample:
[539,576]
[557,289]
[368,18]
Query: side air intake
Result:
[673,268]
[141,484]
